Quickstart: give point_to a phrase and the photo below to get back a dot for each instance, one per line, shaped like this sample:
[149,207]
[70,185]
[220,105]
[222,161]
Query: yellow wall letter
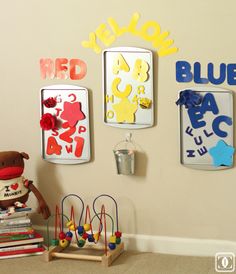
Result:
[104,35]
[92,43]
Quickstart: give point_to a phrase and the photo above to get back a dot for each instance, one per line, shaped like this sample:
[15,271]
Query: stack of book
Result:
[17,236]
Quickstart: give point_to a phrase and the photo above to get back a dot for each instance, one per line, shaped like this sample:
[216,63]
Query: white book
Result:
[15,229]
[21,255]
[19,247]
[14,223]
[18,213]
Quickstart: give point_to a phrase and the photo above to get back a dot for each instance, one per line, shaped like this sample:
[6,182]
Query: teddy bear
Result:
[14,188]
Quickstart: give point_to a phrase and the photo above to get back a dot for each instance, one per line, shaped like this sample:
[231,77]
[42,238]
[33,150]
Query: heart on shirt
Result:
[14,186]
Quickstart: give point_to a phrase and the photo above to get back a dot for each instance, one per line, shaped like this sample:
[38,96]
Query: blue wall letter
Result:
[183,72]
[212,79]
[216,125]
[197,74]
[231,74]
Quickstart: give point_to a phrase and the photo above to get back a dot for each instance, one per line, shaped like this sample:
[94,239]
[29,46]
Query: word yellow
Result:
[149,31]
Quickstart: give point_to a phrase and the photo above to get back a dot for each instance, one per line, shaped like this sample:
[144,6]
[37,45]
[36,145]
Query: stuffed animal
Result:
[14,188]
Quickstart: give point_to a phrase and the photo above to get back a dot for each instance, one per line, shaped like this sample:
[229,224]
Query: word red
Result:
[62,68]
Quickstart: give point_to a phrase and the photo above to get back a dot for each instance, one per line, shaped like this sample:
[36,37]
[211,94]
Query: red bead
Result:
[85,236]
[62,235]
[118,234]
[68,238]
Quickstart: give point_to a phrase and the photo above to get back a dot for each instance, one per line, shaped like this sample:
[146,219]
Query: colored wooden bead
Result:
[96,236]
[90,238]
[68,238]
[68,224]
[80,230]
[87,227]
[112,239]
[69,234]
[64,243]
[112,246]
[118,241]
[118,234]
[85,236]
[55,242]
[62,235]
[72,227]
[81,242]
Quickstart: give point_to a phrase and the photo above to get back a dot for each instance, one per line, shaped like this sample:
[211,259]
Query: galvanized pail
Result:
[124,161]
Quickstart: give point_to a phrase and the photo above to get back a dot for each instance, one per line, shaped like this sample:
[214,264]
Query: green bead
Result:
[55,242]
[81,242]
[118,241]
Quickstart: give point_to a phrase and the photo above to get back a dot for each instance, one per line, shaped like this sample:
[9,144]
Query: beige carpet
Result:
[128,262]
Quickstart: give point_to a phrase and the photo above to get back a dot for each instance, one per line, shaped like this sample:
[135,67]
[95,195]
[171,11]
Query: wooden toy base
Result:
[106,260]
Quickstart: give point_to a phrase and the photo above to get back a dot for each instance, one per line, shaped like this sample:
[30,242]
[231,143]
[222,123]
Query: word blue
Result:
[187,73]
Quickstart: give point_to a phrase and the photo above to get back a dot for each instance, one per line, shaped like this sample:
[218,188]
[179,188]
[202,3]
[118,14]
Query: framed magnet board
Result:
[203,129]
[69,141]
[128,87]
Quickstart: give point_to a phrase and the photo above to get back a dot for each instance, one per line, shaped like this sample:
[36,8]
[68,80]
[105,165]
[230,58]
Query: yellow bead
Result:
[64,243]
[112,239]
[96,236]
[87,227]
[68,224]
[72,227]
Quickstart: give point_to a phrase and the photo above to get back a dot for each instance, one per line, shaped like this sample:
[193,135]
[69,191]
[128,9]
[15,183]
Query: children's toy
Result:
[14,188]
[84,234]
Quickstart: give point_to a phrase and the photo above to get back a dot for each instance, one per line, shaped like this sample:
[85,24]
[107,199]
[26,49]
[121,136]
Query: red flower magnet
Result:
[50,102]
[48,121]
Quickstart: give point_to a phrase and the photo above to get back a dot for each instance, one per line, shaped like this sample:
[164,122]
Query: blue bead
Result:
[90,238]
[80,230]
[112,246]
[69,234]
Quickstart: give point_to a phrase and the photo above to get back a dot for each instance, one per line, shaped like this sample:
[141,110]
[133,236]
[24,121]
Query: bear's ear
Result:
[24,155]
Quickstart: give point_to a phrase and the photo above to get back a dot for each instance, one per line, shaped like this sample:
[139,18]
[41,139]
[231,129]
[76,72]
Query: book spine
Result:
[16,229]
[5,223]
[31,232]
[21,255]
[15,226]
[21,247]
[26,251]
[15,238]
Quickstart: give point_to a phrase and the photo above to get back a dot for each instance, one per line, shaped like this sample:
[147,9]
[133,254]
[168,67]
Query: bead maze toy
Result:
[85,237]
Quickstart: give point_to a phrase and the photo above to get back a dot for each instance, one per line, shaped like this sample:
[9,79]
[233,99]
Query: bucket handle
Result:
[127,141]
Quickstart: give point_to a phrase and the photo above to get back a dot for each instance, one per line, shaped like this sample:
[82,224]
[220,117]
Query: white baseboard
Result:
[172,245]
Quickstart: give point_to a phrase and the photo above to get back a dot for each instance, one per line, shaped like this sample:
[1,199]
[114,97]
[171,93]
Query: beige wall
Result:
[165,198]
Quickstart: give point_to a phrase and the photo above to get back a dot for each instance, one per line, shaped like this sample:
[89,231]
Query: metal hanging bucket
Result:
[125,158]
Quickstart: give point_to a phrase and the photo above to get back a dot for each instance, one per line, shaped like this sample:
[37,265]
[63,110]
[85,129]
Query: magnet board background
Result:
[143,117]
[62,93]
[224,100]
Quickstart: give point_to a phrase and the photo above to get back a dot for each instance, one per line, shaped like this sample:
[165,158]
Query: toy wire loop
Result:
[116,206]
[56,224]
[62,206]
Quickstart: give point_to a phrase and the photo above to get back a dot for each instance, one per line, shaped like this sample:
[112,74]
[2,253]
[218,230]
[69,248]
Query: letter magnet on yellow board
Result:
[128,87]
